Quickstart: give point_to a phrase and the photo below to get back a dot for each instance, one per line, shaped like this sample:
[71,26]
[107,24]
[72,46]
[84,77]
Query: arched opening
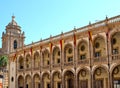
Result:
[115,46]
[36,80]
[99,48]
[56,55]
[69,79]
[46,59]
[36,60]
[116,77]
[100,78]
[46,80]
[68,53]
[28,82]
[21,63]
[82,50]
[83,78]
[20,82]
[56,80]
[15,44]
[28,62]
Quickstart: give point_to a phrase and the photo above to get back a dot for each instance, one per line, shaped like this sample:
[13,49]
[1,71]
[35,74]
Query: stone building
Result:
[86,57]
[12,39]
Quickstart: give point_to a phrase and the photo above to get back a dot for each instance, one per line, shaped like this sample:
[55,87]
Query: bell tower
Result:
[12,38]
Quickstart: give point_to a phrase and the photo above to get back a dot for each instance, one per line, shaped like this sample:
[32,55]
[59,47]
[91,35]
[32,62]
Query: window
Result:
[70,59]
[48,62]
[116,83]
[58,85]
[114,41]
[48,85]
[58,53]
[97,54]
[70,50]
[82,48]
[21,67]
[115,51]
[15,44]
[97,45]
[82,57]
[12,79]
[58,60]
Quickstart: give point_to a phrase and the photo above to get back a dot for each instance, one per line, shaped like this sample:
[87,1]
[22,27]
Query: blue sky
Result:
[42,18]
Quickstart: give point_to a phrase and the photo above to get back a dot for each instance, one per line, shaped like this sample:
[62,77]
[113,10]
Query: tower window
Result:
[15,44]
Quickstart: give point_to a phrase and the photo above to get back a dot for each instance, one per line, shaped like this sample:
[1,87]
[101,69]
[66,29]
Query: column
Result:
[51,80]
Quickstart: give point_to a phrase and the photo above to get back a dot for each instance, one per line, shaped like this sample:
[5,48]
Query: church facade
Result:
[86,57]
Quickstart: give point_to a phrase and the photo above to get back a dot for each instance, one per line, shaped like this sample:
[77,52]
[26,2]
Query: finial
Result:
[61,32]
[13,17]
[41,39]
[74,27]
[106,18]
[50,36]
[89,22]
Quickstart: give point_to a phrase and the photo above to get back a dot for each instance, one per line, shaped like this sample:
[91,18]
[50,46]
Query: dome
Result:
[13,22]
[13,25]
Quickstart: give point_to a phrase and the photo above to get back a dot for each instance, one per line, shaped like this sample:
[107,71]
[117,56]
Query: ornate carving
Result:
[116,70]
[98,72]
[83,73]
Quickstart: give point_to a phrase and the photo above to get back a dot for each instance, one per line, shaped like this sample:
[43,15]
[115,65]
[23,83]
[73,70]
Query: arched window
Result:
[15,44]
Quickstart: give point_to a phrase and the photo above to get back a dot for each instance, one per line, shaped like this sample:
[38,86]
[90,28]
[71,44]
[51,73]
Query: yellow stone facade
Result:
[81,62]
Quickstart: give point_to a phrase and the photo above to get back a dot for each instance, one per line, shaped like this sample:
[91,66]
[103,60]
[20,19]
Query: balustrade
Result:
[84,61]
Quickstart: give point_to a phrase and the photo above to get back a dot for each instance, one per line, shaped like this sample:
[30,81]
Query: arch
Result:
[20,81]
[15,44]
[46,80]
[36,81]
[28,61]
[82,50]
[98,36]
[99,48]
[28,81]
[46,56]
[68,53]
[112,33]
[57,81]
[116,76]
[100,80]
[79,69]
[46,72]
[82,41]
[115,48]
[36,59]
[113,67]
[65,70]
[56,55]
[99,66]
[69,79]
[83,77]
[21,62]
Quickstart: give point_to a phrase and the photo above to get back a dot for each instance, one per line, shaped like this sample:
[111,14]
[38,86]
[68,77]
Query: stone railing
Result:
[56,65]
[28,69]
[46,67]
[115,57]
[68,63]
[20,70]
[100,59]
[36,68]
[84,61]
